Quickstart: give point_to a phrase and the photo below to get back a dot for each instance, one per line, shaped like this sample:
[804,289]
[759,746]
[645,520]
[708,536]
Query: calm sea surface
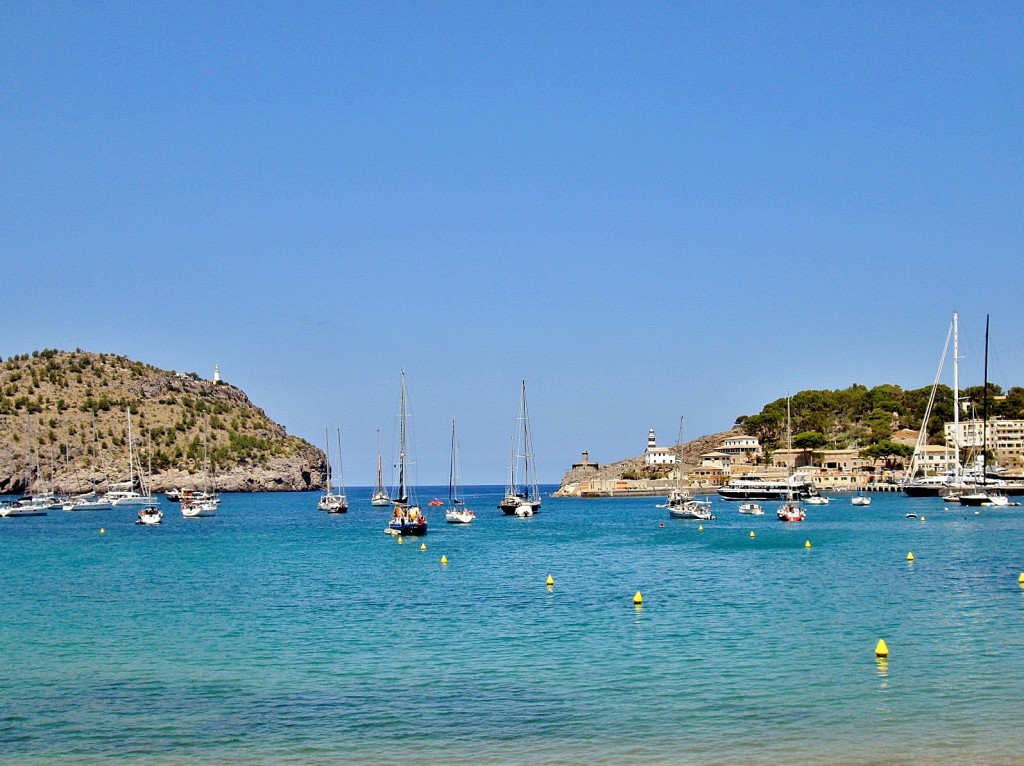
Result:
[275,634]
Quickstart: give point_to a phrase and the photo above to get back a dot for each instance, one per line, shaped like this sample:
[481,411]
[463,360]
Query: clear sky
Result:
[647,210]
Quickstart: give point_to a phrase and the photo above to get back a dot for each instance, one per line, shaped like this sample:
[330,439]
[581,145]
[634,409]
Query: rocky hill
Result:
[689,454]
[64,425]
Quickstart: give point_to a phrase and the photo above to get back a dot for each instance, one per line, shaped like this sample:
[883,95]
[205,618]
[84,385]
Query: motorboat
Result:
[751,509]
[816,500]
[26,506]
[523,510]
[860,499]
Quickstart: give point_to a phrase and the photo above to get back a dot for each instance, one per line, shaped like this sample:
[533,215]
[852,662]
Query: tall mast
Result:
[984,415]
[131,453]
[451,471]
[327,452]
[380,466]
[956,400]
[341,467]
[402,495]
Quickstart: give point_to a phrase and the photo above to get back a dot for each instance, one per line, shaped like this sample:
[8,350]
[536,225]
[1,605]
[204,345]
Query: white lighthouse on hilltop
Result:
[655,455]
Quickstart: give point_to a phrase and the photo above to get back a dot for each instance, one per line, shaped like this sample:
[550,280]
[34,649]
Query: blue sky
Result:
[647,210]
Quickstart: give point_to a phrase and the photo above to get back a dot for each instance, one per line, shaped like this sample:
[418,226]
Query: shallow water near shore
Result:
[273,633]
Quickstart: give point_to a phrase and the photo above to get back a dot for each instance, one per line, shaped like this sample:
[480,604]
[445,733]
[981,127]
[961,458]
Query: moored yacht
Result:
[759,488]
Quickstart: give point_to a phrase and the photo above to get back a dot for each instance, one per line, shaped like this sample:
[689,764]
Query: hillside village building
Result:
[1003,438]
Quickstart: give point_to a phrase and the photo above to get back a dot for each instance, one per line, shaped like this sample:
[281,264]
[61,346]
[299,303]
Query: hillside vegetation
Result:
[64,423]
[859,417]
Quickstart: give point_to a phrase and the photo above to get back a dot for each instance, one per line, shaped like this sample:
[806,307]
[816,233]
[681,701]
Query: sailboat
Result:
[150,513]
[860,498]
[522,497]
[790,510]
[128,493]
[407,518]
[196,505]
[949,482]
[981,493]
[380,495]
[457,512]
[331,502]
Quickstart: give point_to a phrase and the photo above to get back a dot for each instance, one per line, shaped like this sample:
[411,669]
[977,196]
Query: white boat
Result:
[860,499]
[89,502]
[759,488]
[331,502]
[816,500]
[950,481]
[751,509]
[194,506]
[691,509]
[26,506]
[132,492]
[523,510]
[522,483]
[407,518]
[790,510]
[201,504]
[456,512]
[380,495]
[151,514]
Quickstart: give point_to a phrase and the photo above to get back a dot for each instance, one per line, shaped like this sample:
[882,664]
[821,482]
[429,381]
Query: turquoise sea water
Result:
[276,634]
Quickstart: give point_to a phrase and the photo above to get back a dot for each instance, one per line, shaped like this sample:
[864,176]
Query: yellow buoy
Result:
[910,556]
[550,581]
[751,533]
[423,546]
[1021,578]
[103,531]
[400,540]
[881,650]
[807,544]
[700,528]
[444,559]
[923,519]
[638,600]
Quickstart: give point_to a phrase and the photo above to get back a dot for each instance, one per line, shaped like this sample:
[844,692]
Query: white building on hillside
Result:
[655,455]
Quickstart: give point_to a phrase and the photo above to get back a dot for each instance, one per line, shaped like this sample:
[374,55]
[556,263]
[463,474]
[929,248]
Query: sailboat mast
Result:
[402,495]
[131,455]
[451,471]
[341,467]
[526,444]
[380,466]
[327,452]
[956,400]
[984,415]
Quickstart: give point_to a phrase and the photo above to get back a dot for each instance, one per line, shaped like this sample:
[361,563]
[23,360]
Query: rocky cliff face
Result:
[64,425]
